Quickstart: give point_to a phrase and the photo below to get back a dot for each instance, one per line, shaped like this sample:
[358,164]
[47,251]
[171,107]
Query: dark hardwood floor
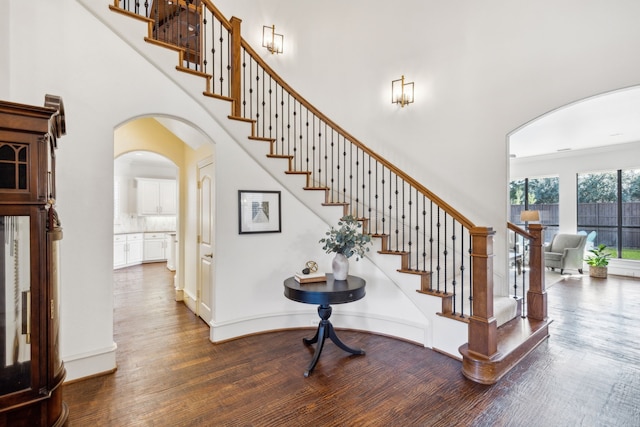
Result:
[169,373]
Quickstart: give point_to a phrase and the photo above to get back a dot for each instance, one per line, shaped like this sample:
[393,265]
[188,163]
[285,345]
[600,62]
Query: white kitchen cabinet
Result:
[134,248]
[155,247]
[127,249]
[156,196]
[119,250]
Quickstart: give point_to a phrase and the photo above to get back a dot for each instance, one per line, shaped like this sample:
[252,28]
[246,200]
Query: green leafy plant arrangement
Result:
[599,257]
[347,239]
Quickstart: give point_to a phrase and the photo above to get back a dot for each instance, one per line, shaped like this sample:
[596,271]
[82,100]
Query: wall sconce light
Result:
[529,216]
[271,40]
[401,92]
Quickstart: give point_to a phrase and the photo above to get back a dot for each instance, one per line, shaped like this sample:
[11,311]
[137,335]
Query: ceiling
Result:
[603,120]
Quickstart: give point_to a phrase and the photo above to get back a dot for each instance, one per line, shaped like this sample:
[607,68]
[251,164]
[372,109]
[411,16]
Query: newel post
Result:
[236,67]
[482,325]
[537,294]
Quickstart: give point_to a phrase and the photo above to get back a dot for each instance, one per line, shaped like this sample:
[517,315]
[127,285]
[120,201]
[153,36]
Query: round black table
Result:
[324,294]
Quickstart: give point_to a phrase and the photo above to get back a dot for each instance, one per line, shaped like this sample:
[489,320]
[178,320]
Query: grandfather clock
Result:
[31,370]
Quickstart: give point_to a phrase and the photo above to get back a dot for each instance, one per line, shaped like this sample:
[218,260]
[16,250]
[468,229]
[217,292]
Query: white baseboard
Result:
[407,331]
[90,364]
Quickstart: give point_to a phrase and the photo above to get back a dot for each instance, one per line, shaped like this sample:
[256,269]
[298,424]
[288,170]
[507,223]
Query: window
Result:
[540,194]
[609,204]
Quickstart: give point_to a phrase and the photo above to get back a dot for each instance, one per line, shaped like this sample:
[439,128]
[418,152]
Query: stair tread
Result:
[216,96]
[394,252]
[280,156]
[435,293]
[241,119]
[411,271]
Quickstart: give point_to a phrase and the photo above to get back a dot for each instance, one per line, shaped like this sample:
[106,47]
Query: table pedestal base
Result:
[325,330]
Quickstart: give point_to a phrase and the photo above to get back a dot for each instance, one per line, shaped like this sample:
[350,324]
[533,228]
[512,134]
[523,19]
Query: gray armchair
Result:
[565,251]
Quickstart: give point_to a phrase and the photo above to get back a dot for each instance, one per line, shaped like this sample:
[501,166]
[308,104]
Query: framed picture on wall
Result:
[259,212]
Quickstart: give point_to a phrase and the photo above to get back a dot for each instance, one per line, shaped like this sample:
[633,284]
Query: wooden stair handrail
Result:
[520,231]
[444,205]
[219,16]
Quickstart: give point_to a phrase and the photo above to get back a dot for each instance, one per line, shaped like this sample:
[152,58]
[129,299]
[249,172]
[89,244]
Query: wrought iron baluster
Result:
[289,125]
[263,103]
[205,56]
[416,239]
[404,217]
[431,242]
[471,284]
[383,205]
[357,186]
[377,196]
[333,166]
[221,40]
[229,61]
[300,153]
[445,253]
[326,157]
[370,204]
[438,247]
[454,282]
[344,170]
[269,108]
[295,134]
[317,152]
[244,83]
[307,129]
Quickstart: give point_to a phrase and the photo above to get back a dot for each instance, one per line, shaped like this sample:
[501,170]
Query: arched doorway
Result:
[185,146]
[596,134]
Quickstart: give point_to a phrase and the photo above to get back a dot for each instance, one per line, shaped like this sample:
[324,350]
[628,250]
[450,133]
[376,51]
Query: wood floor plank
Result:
[169,373]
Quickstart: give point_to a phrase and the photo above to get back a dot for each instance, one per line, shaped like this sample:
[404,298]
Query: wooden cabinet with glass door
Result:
[31,369]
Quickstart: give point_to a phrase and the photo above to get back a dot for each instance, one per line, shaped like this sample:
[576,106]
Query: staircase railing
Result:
[453,256]
[526,261]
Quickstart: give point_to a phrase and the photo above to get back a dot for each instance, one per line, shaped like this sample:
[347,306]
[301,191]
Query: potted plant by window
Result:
[346,240]
[598,261]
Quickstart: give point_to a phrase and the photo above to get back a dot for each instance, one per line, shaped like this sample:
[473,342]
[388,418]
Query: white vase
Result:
[340,267]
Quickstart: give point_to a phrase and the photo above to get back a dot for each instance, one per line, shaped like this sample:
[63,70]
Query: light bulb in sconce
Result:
[271,40]
[401,92]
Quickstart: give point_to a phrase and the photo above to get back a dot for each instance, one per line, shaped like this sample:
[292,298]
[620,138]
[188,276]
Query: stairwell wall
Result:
[64,48]
[481,70]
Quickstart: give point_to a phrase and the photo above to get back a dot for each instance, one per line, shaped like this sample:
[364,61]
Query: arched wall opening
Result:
[183,145]
[595,134]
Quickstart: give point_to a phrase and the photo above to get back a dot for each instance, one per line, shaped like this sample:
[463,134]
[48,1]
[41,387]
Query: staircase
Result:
[421,238]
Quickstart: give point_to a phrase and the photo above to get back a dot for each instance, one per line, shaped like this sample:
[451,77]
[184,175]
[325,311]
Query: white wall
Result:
[63,50]
[481,69]
[105,83]
[5,51]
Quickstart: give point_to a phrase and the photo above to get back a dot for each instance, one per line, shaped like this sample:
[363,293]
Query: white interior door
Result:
[205,241]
